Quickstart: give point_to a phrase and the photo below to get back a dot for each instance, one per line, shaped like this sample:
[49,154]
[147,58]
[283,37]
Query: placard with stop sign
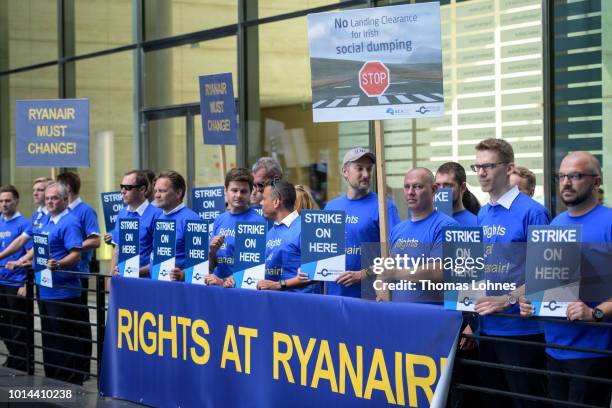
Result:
[374,78]
[376,63]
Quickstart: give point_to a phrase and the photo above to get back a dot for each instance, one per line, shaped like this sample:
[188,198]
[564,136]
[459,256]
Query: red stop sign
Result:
[374,78]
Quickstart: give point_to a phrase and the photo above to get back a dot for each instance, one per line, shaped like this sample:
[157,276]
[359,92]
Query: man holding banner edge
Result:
[579,181]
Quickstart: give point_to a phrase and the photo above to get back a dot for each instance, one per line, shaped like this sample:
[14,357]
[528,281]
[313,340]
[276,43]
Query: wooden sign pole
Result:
[381,183]
[223,163]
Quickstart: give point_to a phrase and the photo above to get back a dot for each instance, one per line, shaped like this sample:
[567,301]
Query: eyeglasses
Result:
[572,176]
[129,187]
[485,166]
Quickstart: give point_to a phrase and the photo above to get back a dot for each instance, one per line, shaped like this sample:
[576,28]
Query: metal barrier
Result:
[28,311]
[462,364]
[33,343]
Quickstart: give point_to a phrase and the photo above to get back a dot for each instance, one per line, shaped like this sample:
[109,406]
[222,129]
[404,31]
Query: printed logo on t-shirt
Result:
[272,243]
[352,219]
[494,230]
[227,232]
[5,234]
[406,243]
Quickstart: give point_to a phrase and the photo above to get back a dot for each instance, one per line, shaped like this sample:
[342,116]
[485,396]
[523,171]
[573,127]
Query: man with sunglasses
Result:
[361,208]
[134,187]
[265,168]
[579,180]
[504,220]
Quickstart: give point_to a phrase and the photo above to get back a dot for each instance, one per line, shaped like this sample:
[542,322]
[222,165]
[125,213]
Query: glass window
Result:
[102,24]
[172,74]
[35,84]
[32,31]
[269,8]
[166,18]
[108,83]
[208,158]
[581,85]
[310,153]
[492,72]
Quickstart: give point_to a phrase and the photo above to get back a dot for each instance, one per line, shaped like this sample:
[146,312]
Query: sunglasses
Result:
[129,187]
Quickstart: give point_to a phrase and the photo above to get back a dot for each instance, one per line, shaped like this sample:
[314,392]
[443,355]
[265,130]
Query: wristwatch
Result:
[598,314]
[510,299]
[283,284]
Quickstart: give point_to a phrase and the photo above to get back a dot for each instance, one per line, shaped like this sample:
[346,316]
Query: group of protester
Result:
[262,194]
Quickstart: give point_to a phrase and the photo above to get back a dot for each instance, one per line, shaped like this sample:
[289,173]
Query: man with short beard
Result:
[362,219]
[579,181]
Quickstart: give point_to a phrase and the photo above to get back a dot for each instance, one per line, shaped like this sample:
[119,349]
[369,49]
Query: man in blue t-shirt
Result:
[452,175]
[170,188]
[134,187]
[40,216]
[283,250]
[579,181]
[65,240]
[238,187]
[12,282]
[504,220]
[419,237]
[90,230]
[362,219]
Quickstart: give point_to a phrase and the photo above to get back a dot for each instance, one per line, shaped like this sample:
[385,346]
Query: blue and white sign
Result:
[208,202]
[463,256]
[164,249]
[249,254]
[323,243]
[42,275]
[52,133]
[552,274]
[196,251]
[443,201]
[128,259]
[376,63]
[112,202]
[218,109]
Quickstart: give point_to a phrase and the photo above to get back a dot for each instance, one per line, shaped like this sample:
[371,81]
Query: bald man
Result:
[421,234]
[579,181]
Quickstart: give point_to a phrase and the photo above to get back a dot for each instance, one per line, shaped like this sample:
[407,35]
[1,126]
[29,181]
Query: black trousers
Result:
[507,380]
[576,390]
[56,361]
[86,330]
[13,328]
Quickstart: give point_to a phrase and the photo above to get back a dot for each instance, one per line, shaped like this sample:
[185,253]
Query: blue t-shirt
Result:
[422,238]
[180,217]
[63,236]
[361,227]
[89,226]
[283,253]
[501,225]
[39,218]
[146,228]
[225,225]
[596,230]
[9,230]
[465,218]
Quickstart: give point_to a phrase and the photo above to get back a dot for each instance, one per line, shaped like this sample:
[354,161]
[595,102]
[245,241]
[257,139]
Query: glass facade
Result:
[536,73]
